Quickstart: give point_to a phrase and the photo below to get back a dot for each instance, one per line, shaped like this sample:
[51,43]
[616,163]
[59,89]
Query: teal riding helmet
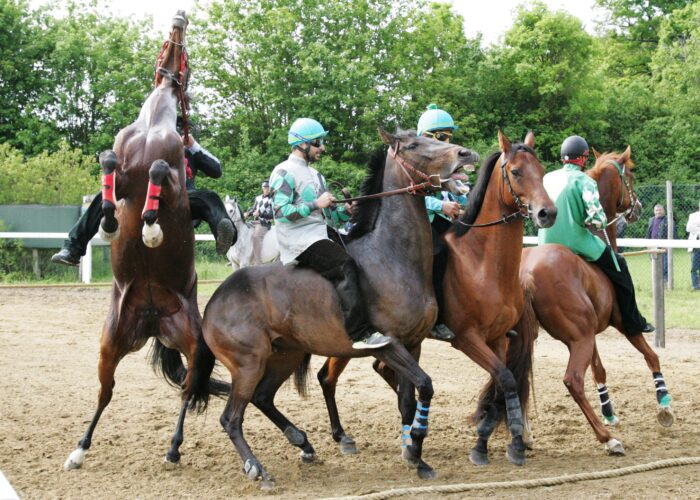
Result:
[305,130]
[435,119]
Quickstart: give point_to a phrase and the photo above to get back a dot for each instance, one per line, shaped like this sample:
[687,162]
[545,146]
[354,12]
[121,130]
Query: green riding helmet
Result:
[305,130]
[435,118]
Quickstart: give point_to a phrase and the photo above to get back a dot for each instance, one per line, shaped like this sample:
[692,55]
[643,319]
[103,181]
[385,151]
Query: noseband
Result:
[632,194]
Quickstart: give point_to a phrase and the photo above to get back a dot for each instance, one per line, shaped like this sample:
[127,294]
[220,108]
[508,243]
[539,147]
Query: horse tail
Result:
[168,363]
[201,384]
[521,347]
[301,375]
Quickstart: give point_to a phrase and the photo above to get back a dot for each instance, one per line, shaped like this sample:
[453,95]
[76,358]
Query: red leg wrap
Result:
[108,187]
[152,198]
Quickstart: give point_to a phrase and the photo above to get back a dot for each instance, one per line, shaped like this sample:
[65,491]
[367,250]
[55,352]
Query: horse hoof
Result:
[75,459]
[614,447]
[611,421]
[252,470]
[307,458]
[478,458]
[152,235]
[408,457]
[426,472]
[171,462]
[665,416]
[108,237]
[516,457]
[348,446]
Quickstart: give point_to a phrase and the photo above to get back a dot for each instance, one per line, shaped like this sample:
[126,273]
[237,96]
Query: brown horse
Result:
[263,321]
[484,296]
[154,291]
[580,302]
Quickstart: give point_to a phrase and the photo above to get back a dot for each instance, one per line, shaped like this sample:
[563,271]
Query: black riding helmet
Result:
[573,147]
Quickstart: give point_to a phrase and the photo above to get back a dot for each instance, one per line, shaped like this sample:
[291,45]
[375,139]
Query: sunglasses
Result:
[317,143]
[440,136]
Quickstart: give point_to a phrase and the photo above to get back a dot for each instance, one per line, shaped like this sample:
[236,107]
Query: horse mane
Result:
[604,160]
[366,211]
[478,194]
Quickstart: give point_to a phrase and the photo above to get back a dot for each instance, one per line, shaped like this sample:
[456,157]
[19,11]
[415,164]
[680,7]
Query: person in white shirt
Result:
[693,228]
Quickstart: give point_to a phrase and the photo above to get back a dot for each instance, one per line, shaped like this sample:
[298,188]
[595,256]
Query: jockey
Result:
[578,208]
[204,204]
[302,205]
[443,207]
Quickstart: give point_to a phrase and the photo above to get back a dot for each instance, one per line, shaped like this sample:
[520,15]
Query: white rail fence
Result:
[627,243]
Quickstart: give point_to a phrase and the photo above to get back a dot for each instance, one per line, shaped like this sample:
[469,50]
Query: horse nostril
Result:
[464,152]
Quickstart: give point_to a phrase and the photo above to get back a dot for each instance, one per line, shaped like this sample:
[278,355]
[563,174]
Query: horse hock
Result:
[152,234]
[109,227]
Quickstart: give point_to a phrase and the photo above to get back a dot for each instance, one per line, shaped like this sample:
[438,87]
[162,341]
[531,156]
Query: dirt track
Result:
[48,358]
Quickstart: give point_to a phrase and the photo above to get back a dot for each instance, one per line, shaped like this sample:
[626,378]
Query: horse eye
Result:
[413,145]
[515,172]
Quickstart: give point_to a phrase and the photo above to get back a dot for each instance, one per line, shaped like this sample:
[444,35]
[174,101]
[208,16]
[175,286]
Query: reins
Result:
[633,195]
[180,83]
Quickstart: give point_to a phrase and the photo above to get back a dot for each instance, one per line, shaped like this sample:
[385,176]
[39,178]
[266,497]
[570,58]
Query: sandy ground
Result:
[48,388]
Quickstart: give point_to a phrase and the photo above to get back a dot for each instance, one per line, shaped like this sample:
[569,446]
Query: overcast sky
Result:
[490,17]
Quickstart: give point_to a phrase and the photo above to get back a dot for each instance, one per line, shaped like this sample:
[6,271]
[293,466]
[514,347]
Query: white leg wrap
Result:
[614,447]
[75,460]
[152,235]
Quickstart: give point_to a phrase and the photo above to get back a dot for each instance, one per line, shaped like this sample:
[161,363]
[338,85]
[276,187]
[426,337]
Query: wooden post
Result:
[35,263]
[670,231]
[657,287]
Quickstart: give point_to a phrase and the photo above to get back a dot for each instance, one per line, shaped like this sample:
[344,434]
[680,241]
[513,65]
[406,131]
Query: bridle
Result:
[523,211]
[181,83]
[634,200]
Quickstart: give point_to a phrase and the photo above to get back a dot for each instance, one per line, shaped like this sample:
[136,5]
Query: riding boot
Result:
[632,320]
[80,234]
[206,205]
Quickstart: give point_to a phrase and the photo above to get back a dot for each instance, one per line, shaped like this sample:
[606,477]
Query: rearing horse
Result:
[154,290]
[263,320]
[578,302]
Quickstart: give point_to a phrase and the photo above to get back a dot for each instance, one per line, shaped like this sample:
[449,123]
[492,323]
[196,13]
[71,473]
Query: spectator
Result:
[693,228]
[620,228]
[658,230]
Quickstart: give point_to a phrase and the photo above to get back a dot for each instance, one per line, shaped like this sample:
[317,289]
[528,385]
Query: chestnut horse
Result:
[579,302]
[483,296]
[264,321]
[154,290]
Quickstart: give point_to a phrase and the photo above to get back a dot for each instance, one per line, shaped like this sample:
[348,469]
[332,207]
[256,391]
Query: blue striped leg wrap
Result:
[420,421]
[514,414]
[606,406]
[406,436]
[662,395]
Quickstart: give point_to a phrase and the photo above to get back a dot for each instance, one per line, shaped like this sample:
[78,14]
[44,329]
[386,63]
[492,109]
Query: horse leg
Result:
[665,415]
[580,355]
[328,378]
[600,378]
[474,346]
[411,376]
[109,227]
[110,356]
[280,367]
[152,234]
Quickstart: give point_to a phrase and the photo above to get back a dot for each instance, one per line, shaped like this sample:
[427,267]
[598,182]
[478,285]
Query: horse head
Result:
[172,64]
[614,173]
[521,179]
[423,159]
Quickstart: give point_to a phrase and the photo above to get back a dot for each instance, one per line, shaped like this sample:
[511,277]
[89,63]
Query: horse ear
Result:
[387,138]
[530,139]
[596,153]
[503,142]
[626,155]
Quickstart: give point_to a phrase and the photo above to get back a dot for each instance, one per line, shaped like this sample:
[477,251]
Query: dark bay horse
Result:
[578,302]
[483,297]
[154,290]
[264,321]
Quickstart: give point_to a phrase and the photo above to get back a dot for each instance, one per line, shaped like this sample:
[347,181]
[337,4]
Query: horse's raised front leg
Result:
[600,379]
[109,227]
[280,367]
[328,378]
[663,398]
[110,355]
[152,234]
[414,415]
